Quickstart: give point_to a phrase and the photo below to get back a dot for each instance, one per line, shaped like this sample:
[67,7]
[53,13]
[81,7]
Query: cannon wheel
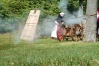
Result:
[59,34]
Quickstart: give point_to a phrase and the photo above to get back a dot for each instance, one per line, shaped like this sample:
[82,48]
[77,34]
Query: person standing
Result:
[97,21]
[59,21]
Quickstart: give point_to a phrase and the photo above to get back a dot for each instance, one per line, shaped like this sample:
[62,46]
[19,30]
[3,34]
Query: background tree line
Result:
[10,8]
[12,11]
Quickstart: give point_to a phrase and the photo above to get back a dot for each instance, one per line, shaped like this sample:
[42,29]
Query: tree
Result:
[91,19]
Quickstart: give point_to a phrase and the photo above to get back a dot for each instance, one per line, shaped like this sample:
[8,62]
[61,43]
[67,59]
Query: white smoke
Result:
[46,27]
[70,19]
[17,33]
[75,18]
[63,7]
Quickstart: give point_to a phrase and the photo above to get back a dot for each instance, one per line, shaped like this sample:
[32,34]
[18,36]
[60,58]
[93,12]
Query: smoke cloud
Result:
[75,18]
[70,19]
[17,33]
[47,25]
[13,26]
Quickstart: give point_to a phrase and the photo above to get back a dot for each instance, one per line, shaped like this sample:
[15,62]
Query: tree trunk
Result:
[91,20]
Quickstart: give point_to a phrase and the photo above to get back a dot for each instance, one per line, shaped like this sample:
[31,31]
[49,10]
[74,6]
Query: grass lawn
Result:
[47,52]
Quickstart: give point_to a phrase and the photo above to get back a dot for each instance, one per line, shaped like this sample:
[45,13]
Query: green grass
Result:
[47,52]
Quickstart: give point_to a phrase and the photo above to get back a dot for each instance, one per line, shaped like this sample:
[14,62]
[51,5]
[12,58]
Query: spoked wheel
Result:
[59,34]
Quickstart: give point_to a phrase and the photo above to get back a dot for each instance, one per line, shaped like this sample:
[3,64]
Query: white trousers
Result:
[54,31]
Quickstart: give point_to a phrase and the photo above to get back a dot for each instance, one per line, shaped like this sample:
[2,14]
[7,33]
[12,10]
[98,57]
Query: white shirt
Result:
[97,15]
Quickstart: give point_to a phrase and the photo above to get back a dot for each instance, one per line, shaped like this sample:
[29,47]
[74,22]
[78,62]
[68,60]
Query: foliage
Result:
[10,24]
[10,10]
[74,5]
[18,7]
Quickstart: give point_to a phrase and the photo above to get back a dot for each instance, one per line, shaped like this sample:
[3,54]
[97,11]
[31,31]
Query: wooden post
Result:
[30,26]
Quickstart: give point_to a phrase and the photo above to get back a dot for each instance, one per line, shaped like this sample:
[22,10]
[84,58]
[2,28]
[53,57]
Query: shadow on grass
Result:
[6,46]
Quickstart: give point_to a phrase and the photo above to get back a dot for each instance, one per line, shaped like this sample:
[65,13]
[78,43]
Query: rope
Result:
[86,16]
